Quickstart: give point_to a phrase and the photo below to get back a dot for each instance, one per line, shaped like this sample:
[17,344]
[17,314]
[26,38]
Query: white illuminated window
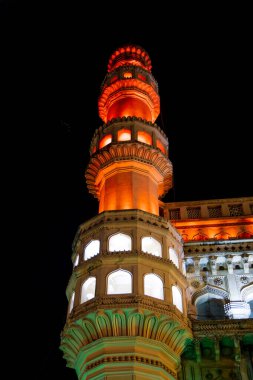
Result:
[119,282]
[144,137]
[76,261]
[105,141]
[173,256]
[153,286]
[124,135]
[177,298]
[120,242]
[71,302]
[92,249]
[152,246]
[88,289]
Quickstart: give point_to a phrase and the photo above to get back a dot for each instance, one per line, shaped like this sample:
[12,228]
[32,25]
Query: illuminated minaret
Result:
[127,316]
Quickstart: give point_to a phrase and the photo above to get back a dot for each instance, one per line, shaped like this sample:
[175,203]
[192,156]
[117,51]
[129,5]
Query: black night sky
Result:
[57,57]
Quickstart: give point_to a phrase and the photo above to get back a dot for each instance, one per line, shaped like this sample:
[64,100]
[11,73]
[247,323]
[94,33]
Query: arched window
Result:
[88,289]
[76,262]
[120,242]
[173,256]
[237,262]
[91,249]
[204,264]
[144,137]
[210,306]
[153,286]
[71,302]
[189,266]
[177,298]
[124,135]
[152,246]
[119,282]
[105,141]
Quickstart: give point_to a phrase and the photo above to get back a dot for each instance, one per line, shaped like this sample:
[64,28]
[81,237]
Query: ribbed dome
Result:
[129,54]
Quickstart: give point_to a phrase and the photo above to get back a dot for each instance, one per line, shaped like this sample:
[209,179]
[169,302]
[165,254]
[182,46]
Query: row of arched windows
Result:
[121,242]
[120,282]
[126,135]
[220,263]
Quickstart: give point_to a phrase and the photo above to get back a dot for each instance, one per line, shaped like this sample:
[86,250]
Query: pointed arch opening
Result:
[173,256]
[210,306]
[71,302]
[151,245]
[153,286]
[91,249]
[120,242]
[177,297]
[88,289]
[119,282]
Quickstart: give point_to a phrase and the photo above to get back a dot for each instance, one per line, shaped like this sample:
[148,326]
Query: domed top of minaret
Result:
[129,54]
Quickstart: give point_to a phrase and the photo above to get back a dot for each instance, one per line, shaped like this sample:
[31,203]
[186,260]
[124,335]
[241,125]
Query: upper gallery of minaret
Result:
[129,89]
[129,166]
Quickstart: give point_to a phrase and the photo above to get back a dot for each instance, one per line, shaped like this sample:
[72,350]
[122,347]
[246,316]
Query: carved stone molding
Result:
[122,322]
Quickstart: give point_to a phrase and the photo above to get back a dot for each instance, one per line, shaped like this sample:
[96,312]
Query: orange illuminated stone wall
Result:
[129,188]
[131,172]
[129,106]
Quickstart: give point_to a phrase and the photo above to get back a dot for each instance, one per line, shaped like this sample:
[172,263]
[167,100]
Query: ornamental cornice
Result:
[218,249]
[133,152]
[126,322]
[210,289]
[128,302]
[238,327]
[97,260]
[138,89]
[131,218]
[132,358]
[118,74]
[126,122]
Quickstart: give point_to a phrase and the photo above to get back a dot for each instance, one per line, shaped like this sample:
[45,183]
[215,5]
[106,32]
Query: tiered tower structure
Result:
[127,315]
[158,290]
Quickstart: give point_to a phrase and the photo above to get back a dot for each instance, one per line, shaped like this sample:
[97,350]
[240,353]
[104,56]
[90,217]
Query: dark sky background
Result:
[57,56]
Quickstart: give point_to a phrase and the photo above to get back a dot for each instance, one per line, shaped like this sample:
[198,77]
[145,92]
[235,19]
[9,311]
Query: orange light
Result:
[128,185]
[144,137]
[129,97]
[160,146]
[127,75]
[141,77]
[105,141]
[124,135]
[113,79]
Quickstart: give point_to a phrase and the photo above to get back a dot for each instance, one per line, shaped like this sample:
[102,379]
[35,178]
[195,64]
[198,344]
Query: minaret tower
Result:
[127,315]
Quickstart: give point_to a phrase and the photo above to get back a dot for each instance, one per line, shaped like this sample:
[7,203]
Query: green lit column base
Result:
[125,358]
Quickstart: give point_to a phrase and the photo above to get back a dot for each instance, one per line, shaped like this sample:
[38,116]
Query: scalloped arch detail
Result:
[133,152]
[110,323]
